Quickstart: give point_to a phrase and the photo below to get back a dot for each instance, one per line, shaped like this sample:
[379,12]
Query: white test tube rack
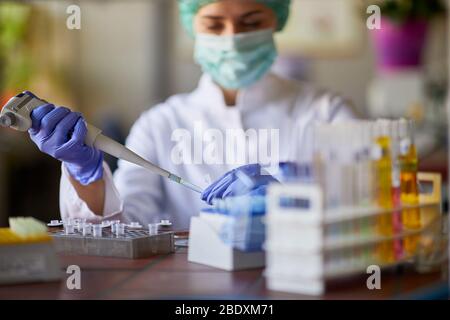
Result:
[306,245]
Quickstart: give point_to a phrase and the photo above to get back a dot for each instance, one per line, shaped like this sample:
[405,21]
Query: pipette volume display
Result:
[16,114]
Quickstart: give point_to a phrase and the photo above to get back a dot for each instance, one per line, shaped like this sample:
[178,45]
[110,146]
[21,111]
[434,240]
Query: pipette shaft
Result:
[16,114]
[117,150]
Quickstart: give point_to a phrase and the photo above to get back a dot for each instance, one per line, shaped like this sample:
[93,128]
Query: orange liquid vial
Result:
[383,166]
[410,195]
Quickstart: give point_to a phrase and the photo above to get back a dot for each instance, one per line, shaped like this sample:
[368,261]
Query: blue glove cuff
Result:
[87,174]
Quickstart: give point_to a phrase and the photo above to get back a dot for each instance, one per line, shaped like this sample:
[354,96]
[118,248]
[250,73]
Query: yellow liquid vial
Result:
[384,197]
[410,196]
[383,167]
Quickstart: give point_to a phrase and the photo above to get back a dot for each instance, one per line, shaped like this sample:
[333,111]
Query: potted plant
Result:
[401,40]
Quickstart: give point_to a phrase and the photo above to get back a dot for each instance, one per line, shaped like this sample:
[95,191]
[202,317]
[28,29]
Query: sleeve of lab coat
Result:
[72,206]
[134,194]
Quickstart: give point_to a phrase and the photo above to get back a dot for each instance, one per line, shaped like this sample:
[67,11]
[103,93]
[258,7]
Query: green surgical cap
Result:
[189,8]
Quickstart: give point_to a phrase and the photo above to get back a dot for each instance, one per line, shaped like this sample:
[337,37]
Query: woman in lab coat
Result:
[238,108]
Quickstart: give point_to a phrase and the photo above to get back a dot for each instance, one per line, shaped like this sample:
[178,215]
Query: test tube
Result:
[383,166]
[409,186]
[396,189]
[87,229]
[153,228]
[69,228]
[120,229]
[77,224]
[97,230]
[113,227]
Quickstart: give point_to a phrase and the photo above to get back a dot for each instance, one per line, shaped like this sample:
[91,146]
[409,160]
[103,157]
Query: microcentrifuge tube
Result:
[97,230]
[152,228]
[76,223]
[135,225]
[120,229]
[87,229]
[69,228]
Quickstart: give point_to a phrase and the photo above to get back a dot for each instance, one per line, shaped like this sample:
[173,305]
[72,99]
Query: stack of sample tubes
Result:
[365,166]
[360,209]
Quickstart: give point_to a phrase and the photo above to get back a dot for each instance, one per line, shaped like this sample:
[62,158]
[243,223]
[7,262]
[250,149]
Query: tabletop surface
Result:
[171,276]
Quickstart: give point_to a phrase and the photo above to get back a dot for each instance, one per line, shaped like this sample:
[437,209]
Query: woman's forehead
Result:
[227,8]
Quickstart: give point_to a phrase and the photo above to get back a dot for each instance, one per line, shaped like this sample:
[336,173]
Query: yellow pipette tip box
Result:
[27,253]
[8,237]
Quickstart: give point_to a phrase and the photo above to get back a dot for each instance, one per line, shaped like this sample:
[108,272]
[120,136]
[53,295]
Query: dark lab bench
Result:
[171,276]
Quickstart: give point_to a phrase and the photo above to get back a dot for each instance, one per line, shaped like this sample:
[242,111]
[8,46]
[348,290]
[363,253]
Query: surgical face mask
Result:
[236,61]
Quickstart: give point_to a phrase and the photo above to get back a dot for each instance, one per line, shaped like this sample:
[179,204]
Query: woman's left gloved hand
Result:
[249,179]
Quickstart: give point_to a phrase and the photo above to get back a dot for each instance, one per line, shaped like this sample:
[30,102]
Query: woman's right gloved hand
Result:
[60,133]
[230,184]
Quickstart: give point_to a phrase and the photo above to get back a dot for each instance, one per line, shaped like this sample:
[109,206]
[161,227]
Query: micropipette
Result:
[16,114]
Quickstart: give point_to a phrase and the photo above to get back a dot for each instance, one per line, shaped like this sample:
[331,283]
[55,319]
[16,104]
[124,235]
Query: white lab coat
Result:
[135,194]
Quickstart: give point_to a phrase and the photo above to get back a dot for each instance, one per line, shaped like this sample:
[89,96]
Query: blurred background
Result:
[130,55]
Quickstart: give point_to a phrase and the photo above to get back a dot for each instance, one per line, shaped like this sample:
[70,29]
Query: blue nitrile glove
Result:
[60,133]
[249,179]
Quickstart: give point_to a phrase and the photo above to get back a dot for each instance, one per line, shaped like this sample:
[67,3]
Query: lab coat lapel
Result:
[251,103]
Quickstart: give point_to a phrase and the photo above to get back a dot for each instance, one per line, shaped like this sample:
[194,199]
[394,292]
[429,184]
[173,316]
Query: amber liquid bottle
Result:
[409,185]
[396,192]
[383,176]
